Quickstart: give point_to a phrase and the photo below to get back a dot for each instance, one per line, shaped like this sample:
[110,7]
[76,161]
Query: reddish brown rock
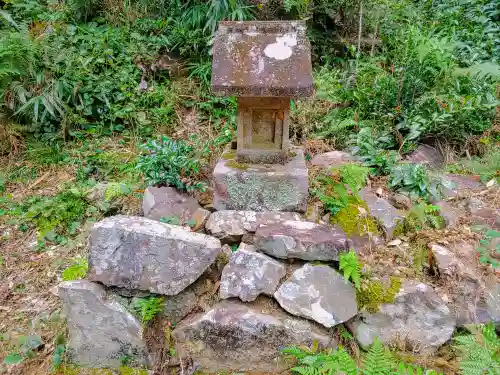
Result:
[301,239]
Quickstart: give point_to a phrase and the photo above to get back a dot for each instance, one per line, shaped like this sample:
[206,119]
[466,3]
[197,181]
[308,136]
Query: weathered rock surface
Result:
[468,297]
[238,337]
[100,329]
[230,226]
[450,214]
[161,202]
[493,304]
[427,155]
[460,184]
[301,239]
[418,317]
[385,213]
[482,214]
[139,253]
[332,159]
[400,201]
[262,187]
[318,293]
[249,274]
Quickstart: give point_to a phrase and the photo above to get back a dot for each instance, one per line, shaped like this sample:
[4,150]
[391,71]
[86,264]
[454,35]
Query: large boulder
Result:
[460,184]
[301,239]
[230,226]
[167,202]
[239,337]
[469,298]
[483,214]
[139,253]
[386,214]
[101,331]
[427,155]
[318,293]
[249,274]
[450,214]
[417,317]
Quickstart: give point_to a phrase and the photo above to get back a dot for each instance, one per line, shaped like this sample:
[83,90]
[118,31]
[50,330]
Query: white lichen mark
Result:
[282,49]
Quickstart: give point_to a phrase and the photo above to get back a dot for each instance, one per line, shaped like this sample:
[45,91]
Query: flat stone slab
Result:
[318,293]
[101,331]
[161,202]
[261,187]
[301,239]
[461,183]
[385,213]
[250,274]
[239,337]
[332,159]
[230,226]
[418,318]
[139,253]
[262,58]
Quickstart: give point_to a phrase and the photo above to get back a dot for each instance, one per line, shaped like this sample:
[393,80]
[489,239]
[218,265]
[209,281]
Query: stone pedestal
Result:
[261,187]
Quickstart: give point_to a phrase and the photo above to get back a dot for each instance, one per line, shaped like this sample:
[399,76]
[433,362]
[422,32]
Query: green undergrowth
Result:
[420,216]
[378,360]
[338,188]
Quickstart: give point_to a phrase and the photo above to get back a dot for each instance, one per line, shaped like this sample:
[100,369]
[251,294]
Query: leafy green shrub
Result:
[26,347]
[77,270]
[332,189]
[421,216]
[54,217]
[479,351]
[487,253]
[170,163]
[377,361]
[351,268]
[414,179]
[147,308]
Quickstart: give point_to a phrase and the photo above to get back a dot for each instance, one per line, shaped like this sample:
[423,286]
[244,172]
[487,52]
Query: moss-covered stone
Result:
[373,293]
[234,164]
[355,219]
[229,155]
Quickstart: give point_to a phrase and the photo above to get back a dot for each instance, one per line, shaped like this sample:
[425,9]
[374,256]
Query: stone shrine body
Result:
[265,64]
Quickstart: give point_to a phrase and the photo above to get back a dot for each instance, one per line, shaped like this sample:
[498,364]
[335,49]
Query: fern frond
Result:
[378,360]
[350,265]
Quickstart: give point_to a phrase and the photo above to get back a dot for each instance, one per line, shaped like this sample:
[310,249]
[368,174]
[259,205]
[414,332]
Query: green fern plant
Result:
[116,190]
[349,264]
[78,270]
[377,361]
[147,308]
[332,190]
[421,216]
[479,351]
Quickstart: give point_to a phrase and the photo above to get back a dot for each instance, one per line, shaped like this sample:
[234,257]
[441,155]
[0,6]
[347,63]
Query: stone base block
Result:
[261,187]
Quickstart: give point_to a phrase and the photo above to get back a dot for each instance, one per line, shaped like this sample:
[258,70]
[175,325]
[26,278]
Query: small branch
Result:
[372,52]
[360,29]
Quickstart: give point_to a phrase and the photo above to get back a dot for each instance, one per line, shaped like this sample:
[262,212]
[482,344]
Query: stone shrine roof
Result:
[262,58]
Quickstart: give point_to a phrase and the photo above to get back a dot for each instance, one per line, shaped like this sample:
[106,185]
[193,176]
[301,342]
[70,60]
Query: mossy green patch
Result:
[234,164]
[373,293]
[229,155]
[292,154]
[354,219]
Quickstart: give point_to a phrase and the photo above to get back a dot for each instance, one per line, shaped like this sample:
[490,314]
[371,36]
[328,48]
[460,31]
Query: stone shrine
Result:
[265,64]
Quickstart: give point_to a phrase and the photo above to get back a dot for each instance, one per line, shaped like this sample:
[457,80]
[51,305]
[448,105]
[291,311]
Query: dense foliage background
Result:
[419,71]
